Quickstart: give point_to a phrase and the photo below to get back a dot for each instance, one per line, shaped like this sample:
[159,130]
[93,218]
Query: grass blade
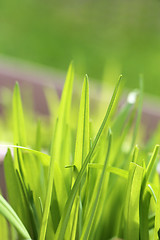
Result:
[65,217]
[11,216]
[91,212]
[63,118]
[157,217]
[18,118]
[81,151]
[131,212]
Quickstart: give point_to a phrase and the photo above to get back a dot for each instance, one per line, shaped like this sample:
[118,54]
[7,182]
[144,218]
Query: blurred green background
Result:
[101,36]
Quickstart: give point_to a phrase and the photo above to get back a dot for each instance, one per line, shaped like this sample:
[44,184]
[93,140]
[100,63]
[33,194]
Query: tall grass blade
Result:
[59,135]
[65,217]
[81,151]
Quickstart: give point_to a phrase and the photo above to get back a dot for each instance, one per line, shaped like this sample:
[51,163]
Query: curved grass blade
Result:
[45,159]
[7,211]
[66,214]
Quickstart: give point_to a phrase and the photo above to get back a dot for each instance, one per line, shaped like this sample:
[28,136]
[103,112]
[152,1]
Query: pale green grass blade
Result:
[4,230]
[151,190]
[131,212]
[59,136]
[18,118]
[117,171]
[65,217]
[43,157]
[7,211]
[91,213]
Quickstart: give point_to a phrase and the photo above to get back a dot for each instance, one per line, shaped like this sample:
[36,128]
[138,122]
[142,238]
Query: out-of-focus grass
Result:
[98,35]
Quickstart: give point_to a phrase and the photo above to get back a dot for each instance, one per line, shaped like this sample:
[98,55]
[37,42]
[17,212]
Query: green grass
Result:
[102,37]
[85,185]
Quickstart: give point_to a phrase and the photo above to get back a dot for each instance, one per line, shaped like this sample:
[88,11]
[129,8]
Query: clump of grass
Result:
[84,187]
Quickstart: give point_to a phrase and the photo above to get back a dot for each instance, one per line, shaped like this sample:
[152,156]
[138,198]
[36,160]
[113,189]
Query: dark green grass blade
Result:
[65,217]
[7,211]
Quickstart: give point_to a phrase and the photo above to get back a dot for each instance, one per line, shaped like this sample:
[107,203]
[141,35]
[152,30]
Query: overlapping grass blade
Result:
[7,211]
[65,217]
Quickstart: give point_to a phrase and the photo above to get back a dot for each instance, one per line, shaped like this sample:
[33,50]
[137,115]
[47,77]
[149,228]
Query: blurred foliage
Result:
[101,36]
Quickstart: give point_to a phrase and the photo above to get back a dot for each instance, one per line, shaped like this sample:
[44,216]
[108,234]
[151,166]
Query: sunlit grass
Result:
[84,186]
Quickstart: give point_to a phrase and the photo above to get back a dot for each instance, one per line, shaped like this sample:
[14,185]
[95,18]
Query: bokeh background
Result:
[103,37]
